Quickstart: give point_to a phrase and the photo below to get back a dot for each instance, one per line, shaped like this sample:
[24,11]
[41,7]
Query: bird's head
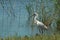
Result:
[35,14]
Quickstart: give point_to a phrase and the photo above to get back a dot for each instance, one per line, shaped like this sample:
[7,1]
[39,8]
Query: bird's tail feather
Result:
[45,26]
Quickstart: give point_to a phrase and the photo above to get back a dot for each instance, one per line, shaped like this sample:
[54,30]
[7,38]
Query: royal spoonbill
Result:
[40,24]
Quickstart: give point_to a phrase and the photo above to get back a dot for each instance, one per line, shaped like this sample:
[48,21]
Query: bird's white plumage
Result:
[38,22]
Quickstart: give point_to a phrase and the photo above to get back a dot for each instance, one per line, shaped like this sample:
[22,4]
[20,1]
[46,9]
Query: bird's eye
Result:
[34,14]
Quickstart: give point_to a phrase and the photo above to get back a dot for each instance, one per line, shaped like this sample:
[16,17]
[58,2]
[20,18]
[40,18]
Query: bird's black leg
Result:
[39,30]
[42,31]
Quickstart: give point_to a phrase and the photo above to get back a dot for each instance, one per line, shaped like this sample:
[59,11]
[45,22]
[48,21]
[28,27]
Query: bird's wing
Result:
[39,23]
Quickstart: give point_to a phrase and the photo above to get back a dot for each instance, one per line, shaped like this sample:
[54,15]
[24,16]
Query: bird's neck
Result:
[35,18]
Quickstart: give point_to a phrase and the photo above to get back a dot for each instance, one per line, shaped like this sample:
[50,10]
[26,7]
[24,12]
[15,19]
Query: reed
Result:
[36,37]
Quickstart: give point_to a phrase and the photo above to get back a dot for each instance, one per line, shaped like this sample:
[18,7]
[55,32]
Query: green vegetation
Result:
[58,25]
[36,37]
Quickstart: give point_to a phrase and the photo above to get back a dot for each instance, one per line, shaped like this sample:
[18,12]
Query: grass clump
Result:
[35,37]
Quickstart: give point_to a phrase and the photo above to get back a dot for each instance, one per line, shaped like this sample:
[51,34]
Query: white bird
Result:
[40,25]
